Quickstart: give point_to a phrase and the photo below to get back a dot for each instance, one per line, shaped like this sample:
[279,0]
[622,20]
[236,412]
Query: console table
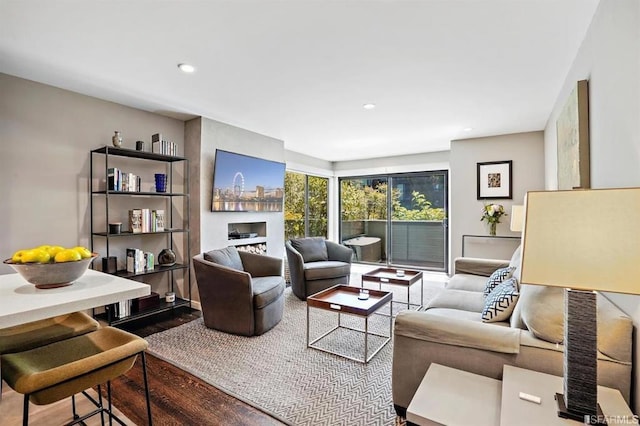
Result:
[455,397]
[489,246]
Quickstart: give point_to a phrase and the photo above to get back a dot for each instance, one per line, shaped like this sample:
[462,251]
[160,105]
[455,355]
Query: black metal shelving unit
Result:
[106,154]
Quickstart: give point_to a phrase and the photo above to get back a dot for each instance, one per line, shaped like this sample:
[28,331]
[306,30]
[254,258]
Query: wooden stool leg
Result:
[146,387]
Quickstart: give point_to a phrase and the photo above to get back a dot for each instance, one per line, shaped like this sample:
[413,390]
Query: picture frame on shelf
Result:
[494,180]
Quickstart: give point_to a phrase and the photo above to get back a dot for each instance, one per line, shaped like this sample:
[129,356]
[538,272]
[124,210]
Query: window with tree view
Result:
[305,205]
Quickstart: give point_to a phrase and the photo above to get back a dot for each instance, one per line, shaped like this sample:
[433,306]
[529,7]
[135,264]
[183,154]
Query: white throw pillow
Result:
[501,301]
[498,276]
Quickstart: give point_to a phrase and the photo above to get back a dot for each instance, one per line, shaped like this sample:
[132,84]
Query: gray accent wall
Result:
[46,134]
[526,150]
[610,59]
[210,229]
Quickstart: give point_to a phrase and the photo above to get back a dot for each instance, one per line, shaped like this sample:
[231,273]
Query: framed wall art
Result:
[494,180]
[572,129]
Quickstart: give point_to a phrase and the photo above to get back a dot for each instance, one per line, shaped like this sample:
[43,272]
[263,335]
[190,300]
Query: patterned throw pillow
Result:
[501,302]
[496,278]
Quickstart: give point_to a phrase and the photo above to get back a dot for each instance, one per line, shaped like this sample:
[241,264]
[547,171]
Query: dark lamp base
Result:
[587,419]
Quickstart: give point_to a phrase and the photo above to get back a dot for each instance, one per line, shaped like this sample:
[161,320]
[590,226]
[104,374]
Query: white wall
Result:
[526,152]
[610,59]
[45,138]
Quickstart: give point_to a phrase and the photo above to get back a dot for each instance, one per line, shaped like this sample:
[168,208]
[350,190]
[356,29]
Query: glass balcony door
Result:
[396,219]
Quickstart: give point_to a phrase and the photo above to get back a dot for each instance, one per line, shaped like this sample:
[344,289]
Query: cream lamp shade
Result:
[517,218]
[583,239]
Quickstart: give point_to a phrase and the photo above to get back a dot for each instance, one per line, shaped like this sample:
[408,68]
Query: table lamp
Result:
[582,240]
[517,218]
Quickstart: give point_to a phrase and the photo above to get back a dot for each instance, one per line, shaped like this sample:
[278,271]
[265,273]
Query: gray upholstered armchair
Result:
[316,264]
[240,293]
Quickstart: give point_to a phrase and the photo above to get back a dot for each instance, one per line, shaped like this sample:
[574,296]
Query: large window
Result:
[305,205]
[396,219]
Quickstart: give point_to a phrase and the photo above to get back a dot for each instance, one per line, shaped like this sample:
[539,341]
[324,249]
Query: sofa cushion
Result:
[447,329]
[542,311]
[227,256]
[326,270]
[496,279]
[266,290]
[312,249]
[614,327]
[467,282]
[501,301]
[458,299]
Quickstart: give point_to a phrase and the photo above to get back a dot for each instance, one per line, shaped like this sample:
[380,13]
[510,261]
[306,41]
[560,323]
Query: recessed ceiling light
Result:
[186,68]
[369,106]
[467,129]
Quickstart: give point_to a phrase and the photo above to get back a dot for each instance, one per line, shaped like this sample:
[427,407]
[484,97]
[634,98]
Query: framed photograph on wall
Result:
[494,180]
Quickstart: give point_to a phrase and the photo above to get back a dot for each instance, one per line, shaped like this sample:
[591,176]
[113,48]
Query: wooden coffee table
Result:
[343,299]
[390,276]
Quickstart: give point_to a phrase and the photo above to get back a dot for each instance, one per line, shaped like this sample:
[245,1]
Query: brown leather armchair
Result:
[316,264]
[240,293]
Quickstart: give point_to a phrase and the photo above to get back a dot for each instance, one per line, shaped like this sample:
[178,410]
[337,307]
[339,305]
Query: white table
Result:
[451,397]
[516,411]
[447,396]
[21,302]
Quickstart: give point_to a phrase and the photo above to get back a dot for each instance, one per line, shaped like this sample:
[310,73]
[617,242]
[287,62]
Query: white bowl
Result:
[52,274]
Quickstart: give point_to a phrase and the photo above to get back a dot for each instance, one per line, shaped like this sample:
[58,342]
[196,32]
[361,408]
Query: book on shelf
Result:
[117,180]
[124,309]
[162,146]
[139,260]
[158,220]
[135,221]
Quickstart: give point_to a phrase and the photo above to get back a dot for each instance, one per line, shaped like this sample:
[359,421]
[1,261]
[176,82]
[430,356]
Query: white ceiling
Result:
[300,70]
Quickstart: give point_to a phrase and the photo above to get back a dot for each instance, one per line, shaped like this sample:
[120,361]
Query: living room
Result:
[47,133]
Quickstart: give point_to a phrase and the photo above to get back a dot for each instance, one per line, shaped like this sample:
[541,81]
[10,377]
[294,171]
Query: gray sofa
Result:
[451,332]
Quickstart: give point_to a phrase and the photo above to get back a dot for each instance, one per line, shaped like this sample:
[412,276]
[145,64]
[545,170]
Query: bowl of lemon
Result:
[51,266]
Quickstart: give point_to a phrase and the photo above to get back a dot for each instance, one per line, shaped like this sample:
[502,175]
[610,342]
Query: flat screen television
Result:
[242,183]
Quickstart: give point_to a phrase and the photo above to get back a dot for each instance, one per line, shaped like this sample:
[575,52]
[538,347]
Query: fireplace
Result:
[257,248]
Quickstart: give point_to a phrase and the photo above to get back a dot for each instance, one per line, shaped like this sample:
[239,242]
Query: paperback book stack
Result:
[117,180]
[146,220]
[139,260]
[162,146]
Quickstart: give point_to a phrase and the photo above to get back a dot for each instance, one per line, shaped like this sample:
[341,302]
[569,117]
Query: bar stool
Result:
[43,332]
[50,373]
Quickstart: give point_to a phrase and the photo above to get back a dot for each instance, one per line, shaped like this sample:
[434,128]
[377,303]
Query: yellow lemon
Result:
[53,250]
[84,252]
[36,256]
[17,256]
[67,255]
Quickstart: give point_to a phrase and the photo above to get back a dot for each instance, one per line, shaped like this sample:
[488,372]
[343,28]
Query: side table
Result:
[343,299]
[447,396]
[455,397]
[516,411]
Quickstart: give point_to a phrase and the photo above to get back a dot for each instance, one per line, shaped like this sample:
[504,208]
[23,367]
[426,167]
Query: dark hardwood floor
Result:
[177,397]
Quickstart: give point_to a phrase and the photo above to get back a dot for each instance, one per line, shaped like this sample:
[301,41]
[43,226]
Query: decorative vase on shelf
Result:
[492,229]
[117,139]
[166,257]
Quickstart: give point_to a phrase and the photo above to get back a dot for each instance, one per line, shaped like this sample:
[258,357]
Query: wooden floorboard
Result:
[178,397]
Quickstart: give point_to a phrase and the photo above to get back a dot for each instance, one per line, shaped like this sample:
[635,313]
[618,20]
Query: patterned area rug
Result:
[279,375]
